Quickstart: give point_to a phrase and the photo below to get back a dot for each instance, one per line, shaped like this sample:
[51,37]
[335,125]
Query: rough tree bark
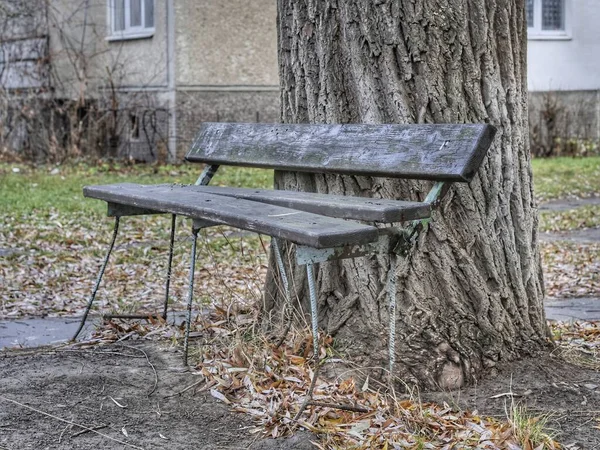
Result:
[471,295]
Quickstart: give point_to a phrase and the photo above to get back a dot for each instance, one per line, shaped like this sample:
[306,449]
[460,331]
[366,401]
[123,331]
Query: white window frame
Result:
[137,32]
[536,33]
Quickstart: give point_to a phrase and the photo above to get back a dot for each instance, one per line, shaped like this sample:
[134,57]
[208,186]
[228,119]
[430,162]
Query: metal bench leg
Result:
[315,331]
[313,309]
[188,320]
[392,297]
[102,269]
[282,273]
[168,284]
[286,287]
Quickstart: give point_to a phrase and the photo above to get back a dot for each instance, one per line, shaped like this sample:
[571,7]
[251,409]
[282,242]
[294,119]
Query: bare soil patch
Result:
[568,394]
[112,387]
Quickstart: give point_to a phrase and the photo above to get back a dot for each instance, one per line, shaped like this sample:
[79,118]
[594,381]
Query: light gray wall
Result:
[568,64]
[23,44]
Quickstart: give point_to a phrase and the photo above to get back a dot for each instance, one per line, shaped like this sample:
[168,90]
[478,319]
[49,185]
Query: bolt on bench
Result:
[323,227]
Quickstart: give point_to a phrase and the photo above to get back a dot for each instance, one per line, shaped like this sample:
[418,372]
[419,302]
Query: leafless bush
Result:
[563,124]
[52,114]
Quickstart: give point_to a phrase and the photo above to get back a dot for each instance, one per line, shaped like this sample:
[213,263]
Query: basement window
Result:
[547,19]
[130,19]
[134,127]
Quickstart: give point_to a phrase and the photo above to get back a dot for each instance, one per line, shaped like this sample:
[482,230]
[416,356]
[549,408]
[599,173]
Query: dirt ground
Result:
[111,390]
[111,387]
[568,394]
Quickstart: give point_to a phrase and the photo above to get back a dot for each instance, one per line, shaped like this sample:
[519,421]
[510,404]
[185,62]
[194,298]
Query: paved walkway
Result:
[569,203]
[35,331]
[582,308]
[584,236]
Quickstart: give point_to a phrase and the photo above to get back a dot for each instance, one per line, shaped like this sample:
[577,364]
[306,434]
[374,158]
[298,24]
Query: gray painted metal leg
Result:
[313,309]
[188,319]
[287,294]
[392,297]
[100,275]
[282,273]
[168,284]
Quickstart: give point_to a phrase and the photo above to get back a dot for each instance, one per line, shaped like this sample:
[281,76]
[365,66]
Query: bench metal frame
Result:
[391,241]
[395,241]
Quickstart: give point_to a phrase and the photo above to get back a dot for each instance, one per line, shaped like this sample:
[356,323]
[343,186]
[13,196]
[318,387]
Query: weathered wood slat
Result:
[296,226]
[443,152]
[357,208]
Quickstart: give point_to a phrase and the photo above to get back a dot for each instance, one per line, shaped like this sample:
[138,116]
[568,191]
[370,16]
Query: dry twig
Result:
[187,388]
[79,433]
[70,422]
[151,365]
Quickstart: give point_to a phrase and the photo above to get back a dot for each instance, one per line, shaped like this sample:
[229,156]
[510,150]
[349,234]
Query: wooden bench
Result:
[323,227]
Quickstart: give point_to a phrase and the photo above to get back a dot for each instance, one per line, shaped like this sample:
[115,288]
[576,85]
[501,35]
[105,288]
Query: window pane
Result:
[149,14]
[553,15]
[529,12]
[136,13]
[119,15]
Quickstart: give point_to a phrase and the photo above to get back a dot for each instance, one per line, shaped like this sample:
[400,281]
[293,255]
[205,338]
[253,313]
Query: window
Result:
[131,19]
[547,19]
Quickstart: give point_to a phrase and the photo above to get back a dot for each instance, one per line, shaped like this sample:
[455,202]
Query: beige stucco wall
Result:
[226,42]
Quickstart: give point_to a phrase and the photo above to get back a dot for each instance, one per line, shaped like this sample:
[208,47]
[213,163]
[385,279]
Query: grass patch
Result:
[531,431]
[48,189]
[571,219]
[566,177]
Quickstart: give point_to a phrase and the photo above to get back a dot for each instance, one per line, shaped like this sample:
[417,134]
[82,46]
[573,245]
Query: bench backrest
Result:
[444,152]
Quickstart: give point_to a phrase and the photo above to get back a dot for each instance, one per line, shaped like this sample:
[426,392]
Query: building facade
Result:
[564,75]
[151,70]
[135,78]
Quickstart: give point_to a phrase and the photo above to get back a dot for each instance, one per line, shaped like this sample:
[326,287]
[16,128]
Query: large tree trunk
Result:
[471,295]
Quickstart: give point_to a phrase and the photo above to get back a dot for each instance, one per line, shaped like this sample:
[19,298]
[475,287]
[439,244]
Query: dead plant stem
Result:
[70,422]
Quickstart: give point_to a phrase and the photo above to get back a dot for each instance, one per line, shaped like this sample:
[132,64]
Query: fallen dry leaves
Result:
[578,341]
[244,370]
[52,263]
[571,269]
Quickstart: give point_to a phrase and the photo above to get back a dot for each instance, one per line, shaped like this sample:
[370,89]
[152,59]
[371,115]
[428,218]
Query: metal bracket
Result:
[119,210]
[404,243]
[437,192]
[206,175]
[385,243]
[409,235]
[198,224]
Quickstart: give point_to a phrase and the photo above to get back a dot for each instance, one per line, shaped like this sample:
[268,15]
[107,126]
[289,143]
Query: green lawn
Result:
[566,177]
[48,189]
[52,189]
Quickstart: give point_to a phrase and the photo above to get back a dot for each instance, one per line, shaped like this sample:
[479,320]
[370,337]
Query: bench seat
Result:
[339,206]
[297,226]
